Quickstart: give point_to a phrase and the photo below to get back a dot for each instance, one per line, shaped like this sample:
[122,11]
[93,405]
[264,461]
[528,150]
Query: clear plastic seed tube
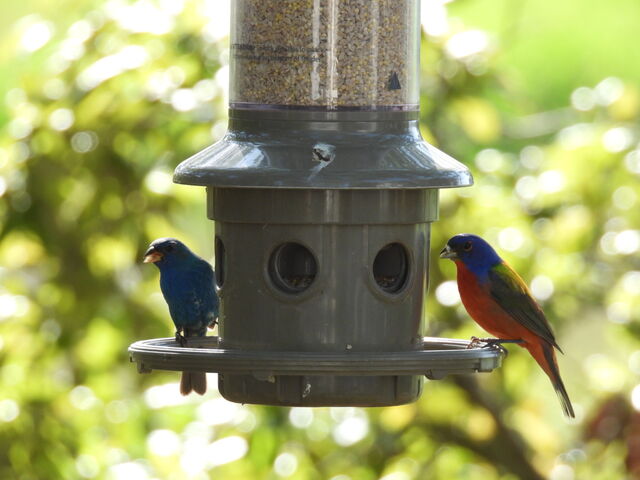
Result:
[325,54]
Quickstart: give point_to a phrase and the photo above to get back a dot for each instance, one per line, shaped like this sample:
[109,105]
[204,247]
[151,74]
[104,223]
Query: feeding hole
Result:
[292,267]
[391,268]
[220,262]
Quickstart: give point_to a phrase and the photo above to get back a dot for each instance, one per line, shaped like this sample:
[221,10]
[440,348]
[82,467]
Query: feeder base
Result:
[321,390]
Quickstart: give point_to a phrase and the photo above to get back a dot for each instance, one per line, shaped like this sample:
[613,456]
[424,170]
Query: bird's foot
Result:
[493,343]
[181,339]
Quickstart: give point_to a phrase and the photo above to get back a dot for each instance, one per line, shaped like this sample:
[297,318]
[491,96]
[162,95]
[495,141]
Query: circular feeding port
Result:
[292,267]
[391,268]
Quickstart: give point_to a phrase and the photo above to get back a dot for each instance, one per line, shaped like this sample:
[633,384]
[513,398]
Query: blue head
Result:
[167,253]
[476,254]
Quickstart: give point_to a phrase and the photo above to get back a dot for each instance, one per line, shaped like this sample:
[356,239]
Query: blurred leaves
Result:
[90,132]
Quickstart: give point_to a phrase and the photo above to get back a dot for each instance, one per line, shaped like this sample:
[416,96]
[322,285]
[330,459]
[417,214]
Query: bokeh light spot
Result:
[396,476]
[129,58]
[117,411]
[301,417]
[465,44]
[222,81]
[163,442]
[619,312]
[632,161]
[184,100]
[82,398]
[489,160]
[20,128]
[167,395]
[576,136]
[353,427]
[627,242]
[83,142]
[531,157]
[36,35]
[551,181]
[607,243]
[15,98]
[634,364]
[226,450]
[510,239]
[603,373]
[562,472]
[54,88]
[583,98]
[143,17]
[81,30]
[527,187]
[87,466]
[617,139]
[609,90]
[285,464]
[218,411]
[128,471]
[447,293]
[61,119]
[217,13]
[434,18]
[631,282]
[9,410]
[13,306]
[159,181]
[205,90]
[542,287]
[635,397]
[624,197]
[218,130]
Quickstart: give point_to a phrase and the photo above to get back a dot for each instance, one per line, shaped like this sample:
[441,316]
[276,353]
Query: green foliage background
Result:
[545,115]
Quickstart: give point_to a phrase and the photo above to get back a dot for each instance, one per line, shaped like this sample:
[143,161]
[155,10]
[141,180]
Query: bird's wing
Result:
[206,291]
[191,296]
[510,292]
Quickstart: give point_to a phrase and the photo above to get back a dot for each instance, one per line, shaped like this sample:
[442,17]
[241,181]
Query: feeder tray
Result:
[435,359]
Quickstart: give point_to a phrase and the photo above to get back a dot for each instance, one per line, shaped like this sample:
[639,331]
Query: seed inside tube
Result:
[327,54]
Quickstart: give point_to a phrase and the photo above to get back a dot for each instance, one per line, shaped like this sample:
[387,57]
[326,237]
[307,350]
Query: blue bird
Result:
[187,284]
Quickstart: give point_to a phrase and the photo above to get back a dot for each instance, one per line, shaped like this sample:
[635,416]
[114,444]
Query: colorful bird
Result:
[498,299]
[187,283]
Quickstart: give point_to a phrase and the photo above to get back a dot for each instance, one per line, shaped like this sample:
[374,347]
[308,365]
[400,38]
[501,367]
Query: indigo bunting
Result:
[187,284]
[497,298]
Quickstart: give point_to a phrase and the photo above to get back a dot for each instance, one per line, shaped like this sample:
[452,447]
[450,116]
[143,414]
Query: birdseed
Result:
[325,53]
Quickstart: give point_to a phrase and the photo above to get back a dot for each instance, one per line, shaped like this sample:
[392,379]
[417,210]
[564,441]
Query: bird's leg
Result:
[180,338]
[493,342]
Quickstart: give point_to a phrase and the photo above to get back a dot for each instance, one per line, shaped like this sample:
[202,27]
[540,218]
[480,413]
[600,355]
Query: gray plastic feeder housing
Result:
[323,194]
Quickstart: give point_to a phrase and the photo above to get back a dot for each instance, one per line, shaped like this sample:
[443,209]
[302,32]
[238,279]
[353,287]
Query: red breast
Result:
[484,309]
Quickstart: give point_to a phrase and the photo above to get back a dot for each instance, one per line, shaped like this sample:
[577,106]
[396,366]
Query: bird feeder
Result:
[323,194]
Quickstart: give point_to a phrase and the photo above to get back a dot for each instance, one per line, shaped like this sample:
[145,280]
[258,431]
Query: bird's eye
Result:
[467,246]
[169,248]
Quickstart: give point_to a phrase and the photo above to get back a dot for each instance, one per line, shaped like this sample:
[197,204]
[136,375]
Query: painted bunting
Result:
[499,300]
[187,284]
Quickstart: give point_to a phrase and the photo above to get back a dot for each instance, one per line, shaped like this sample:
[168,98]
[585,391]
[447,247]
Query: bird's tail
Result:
[545,355]
[193,381]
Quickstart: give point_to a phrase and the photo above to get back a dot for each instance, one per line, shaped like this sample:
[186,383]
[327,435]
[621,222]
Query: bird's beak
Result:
[448,253]
[152,256]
